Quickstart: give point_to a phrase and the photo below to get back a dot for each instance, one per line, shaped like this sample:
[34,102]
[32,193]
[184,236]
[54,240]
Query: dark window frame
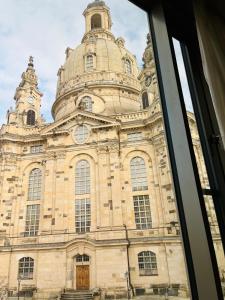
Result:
[31,117]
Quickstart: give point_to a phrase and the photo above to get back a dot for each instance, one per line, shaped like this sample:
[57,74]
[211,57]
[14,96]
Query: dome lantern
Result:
[97,16]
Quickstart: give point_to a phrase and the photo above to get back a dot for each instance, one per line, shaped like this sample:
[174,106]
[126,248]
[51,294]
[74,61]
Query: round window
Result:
[81,134]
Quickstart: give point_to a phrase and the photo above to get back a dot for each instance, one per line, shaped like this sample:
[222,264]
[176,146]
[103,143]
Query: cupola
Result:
[97,16]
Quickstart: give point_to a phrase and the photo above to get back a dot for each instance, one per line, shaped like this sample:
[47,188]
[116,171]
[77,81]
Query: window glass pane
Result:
[86,103]
[82,179]
[34,187]
[142,211]
[81,134]
[127,65]
[25,270]
[138,174]
[89,62]
[82,216]
[200,161]
[36,149]
[32,220]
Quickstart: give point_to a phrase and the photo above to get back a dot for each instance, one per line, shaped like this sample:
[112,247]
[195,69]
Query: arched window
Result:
[147,263]
[138,174]
[26,268]
[30,117]
[96,21]
[127,66]
[34,186]
[145,102]
[89,62]
[82,178]
[86,103]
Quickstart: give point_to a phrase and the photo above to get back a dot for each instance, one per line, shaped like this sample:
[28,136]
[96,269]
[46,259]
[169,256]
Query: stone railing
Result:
[102,77]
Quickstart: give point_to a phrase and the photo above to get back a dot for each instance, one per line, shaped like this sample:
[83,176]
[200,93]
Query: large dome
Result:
[101,68]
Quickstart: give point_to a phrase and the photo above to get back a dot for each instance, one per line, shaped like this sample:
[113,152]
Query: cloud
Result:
[44,29]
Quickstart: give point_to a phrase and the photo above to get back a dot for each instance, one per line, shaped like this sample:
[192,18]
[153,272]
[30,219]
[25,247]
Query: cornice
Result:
[95,243]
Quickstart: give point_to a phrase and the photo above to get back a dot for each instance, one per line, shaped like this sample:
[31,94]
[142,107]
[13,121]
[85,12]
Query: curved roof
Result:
[96,3]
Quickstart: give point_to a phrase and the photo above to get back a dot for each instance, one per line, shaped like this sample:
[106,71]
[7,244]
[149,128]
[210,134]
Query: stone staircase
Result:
[76,295]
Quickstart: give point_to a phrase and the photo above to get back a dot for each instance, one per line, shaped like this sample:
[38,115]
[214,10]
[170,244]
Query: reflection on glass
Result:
[214,228]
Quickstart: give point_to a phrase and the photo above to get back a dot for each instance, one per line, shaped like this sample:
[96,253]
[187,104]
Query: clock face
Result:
[148,81]
[30,99]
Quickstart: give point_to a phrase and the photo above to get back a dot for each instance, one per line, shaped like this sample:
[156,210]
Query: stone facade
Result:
[106,113]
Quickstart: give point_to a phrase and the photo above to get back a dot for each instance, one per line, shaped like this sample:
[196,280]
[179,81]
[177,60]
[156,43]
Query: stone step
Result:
[76,295]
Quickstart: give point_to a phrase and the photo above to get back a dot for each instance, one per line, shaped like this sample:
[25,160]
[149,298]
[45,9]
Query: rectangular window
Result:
[32,220]
[36,149]
[82,215]
[134,136]
[142,212]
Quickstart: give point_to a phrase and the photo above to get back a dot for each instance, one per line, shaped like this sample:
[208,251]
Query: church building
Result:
[87,202]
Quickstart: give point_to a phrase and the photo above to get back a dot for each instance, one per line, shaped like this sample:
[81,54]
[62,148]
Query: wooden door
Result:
[82,277]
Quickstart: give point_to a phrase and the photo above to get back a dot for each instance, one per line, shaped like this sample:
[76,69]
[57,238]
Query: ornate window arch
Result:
[147,263]
[145,101]
[96,21]
[82,177]
[139,179]
[127,66]
[34,185]
[26,268]
[86,103]
[31,117]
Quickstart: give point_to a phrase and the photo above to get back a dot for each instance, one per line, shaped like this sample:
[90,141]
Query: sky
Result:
[44,29]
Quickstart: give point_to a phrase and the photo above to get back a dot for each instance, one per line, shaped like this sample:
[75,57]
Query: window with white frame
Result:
[139,179]
[32,220]
[81,134]
[82,215]
[82,178]
[82,258]
[142,212]
[26,268]
[134,136]
[34,185]
[89,62]
[147,263]
[36,149]
[127,66]
[86,103]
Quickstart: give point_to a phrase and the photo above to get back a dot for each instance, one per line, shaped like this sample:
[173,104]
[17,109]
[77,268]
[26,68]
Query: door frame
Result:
[83,263]
[77,266]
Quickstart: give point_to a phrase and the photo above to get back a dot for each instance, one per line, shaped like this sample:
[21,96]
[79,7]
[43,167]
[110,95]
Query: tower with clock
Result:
[147,77]
[28,100]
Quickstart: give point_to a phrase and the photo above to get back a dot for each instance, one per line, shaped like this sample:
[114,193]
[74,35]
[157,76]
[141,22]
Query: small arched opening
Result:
[145,102]
[96,21]
[30,117]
